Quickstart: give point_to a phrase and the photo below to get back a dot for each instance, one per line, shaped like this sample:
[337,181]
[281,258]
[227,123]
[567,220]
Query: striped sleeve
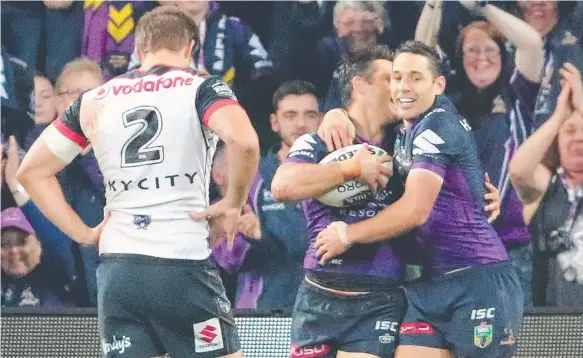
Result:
[64,136]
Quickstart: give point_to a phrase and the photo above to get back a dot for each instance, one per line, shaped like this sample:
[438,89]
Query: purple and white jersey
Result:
[371,260]
[457,233]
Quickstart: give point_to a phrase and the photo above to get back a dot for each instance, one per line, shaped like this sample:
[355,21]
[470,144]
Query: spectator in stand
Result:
[552,195]
[31,274]
[359,25]
[108,36]
[16,93]
[47,233]
[45,108]
[562,33]
[82,181]
[497,97]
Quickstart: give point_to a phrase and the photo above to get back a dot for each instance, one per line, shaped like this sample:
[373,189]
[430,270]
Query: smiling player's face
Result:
[413,85]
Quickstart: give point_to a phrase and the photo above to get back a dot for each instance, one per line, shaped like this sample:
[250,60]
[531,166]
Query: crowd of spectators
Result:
[505,65]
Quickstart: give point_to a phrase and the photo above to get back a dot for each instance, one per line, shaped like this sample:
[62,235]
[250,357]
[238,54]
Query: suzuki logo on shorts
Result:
[483,313]
[208,336]
[309,352]
[387,326]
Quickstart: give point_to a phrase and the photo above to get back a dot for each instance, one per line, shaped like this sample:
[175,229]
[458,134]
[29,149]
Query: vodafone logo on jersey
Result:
[102,92]
[147,85]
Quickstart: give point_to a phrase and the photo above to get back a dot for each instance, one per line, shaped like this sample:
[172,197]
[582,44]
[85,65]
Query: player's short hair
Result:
[79,65]
[295,87]
[360,65]
[165,28]
[421,49]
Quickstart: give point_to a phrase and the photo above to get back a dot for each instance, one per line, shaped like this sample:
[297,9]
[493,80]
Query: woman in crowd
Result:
[45,108]
[552,195]
[497,96]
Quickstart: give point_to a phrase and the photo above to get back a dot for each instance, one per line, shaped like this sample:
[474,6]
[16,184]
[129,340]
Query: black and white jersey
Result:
[150,137]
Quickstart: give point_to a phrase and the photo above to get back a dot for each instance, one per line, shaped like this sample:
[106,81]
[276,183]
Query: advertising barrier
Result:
[34,333]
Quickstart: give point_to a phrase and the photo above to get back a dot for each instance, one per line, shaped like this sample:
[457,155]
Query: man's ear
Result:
[439,85]
[274,123]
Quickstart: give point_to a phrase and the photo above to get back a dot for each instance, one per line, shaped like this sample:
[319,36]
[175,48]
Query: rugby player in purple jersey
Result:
[351,306]
[468,302]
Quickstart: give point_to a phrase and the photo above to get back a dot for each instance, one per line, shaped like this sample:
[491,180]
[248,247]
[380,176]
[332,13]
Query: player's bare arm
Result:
[299,181]
[37,174]
[529,176]
[410,211]
[233,126]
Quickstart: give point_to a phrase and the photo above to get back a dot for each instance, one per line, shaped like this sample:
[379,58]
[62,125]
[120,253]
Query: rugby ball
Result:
[352,192]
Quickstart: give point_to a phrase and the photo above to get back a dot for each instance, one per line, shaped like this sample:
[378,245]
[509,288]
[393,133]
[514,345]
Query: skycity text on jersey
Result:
[151,183]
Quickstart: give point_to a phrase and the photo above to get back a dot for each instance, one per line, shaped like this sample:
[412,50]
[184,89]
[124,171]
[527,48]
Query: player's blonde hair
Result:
[165,27]
[79,65]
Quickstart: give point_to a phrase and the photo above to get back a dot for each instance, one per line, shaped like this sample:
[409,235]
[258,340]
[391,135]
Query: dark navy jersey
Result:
[457,233]
[375,260]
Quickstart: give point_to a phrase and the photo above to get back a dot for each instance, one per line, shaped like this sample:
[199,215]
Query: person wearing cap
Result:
[31,275]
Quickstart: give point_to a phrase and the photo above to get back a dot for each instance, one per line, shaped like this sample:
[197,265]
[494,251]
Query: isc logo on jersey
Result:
[351,192]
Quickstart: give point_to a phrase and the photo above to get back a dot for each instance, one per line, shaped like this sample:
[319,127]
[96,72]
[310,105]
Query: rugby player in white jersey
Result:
[154,131]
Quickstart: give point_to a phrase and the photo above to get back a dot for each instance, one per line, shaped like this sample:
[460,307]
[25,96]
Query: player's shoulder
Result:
[216,86]
[309,145]
[444,119]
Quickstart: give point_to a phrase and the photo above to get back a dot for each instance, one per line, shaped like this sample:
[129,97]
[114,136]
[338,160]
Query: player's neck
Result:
[163,57]
[367,122]
[283,152]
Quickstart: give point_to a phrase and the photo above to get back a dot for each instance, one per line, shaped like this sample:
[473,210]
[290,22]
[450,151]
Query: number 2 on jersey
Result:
[137,151]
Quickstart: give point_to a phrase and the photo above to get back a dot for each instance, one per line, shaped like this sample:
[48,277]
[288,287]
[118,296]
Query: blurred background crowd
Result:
[282,60]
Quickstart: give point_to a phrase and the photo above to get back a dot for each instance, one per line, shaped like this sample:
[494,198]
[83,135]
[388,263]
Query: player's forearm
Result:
[393,221]
[47,195]
[532,152]
[528,42]
[243,159]
[299,181]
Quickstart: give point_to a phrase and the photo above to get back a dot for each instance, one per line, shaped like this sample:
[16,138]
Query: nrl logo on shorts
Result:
[483,335]
[142,221]
[386,338]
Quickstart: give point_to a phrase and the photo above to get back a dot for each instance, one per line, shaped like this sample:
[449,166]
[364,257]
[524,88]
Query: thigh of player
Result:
[184,305]
[196,317]
[330,325]
[376,331]
[124,332]
[487,320]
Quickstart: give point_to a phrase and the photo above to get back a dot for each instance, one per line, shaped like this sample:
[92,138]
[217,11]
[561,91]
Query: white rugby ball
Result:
[352,192]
